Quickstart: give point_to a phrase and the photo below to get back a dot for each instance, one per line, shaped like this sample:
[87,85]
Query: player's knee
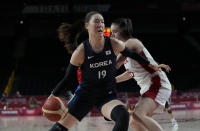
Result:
[120,113]
[169,111]
[121,117]
[138,113]
[58,127]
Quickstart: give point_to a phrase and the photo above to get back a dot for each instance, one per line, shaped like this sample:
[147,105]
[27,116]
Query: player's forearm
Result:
[69,77]
[123,77]
[120,61]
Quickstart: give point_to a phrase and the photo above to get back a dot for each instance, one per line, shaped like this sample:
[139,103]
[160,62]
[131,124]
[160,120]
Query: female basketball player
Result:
[155,86]
[96,58]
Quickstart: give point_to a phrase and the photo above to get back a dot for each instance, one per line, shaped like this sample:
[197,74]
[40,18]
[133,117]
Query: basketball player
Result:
[155,86]
[96,58]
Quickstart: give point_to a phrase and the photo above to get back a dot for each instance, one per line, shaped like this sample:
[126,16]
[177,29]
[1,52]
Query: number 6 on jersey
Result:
[102,74]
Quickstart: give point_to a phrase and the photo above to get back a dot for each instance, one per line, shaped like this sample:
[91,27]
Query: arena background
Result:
[33,60]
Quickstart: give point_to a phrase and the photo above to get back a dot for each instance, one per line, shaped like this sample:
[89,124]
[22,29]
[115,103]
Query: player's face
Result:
[115,31]
[96,25]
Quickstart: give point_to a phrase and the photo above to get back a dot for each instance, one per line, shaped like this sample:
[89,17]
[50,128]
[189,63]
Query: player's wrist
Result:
[51,95]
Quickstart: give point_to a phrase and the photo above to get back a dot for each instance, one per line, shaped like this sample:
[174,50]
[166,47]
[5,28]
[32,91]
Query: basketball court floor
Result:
[188,120]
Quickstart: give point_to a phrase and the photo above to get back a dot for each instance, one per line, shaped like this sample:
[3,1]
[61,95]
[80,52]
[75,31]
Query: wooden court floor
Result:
[187,120]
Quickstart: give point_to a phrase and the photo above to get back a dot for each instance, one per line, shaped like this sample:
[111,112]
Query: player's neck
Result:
[97,44]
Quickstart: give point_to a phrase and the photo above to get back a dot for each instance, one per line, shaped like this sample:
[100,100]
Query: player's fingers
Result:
[168,69]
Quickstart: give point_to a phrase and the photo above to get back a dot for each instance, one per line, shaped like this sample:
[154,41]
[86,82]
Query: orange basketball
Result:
[54,108]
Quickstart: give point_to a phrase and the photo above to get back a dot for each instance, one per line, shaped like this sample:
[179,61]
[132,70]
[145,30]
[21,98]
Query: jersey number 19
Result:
[101,74]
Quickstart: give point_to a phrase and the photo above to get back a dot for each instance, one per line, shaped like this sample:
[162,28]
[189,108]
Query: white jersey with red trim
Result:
[144,74]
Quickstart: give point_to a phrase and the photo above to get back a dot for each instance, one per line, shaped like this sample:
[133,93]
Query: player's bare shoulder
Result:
[80,48]
[134,44]
[78,55]
[133,41]
[115,41]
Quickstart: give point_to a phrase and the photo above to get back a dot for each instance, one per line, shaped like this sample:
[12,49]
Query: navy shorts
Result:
[83,101]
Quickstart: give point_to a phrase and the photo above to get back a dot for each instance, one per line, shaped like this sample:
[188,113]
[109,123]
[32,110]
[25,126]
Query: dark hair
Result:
[125,25]
[73,34]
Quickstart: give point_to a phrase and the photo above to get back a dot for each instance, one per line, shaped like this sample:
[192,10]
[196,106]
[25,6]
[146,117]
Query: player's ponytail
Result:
[71,34]
[129,28]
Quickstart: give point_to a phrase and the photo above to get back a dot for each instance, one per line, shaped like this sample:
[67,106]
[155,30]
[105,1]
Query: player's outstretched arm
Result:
[71,72]
[119,47]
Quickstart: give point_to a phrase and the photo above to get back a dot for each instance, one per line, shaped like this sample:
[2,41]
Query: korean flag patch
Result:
[108,52]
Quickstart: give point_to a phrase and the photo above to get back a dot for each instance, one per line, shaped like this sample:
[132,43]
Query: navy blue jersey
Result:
[98,69]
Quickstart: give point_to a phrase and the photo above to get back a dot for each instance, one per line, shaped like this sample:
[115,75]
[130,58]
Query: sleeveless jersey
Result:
[99,69]
[144,74]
